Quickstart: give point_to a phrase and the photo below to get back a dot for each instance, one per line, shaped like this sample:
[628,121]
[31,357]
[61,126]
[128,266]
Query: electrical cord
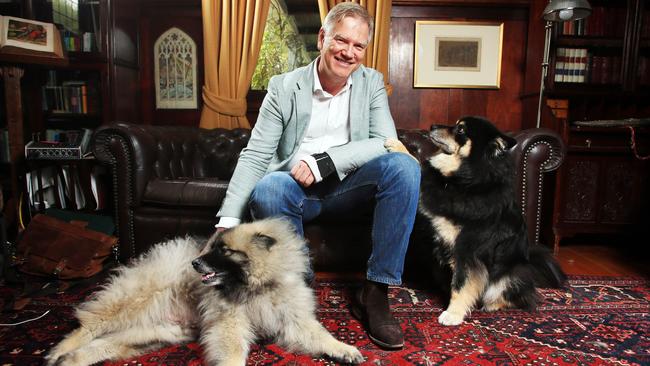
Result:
[24,321]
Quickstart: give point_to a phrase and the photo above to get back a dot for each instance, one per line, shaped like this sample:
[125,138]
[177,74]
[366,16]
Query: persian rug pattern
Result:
[593,321]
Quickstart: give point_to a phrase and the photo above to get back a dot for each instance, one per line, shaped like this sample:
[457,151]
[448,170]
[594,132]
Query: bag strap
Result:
[633,145]
[81,224]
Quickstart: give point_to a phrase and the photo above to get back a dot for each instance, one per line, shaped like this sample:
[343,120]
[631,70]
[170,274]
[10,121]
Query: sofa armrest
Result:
[115,145]
[140,154]
[538,151]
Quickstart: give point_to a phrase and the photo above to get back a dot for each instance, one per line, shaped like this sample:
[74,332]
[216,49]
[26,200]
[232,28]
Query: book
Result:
[70,97]
[88,42]
[29,41]
[560,62]
[581,65]
[27,34]
[605,69]
[571,66]
[596,70]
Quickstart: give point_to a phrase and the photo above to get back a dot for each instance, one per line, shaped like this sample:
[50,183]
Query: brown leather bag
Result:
[61,249]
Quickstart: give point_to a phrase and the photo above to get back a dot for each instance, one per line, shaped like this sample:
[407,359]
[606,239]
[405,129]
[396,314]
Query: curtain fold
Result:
[232,38]
[377,52]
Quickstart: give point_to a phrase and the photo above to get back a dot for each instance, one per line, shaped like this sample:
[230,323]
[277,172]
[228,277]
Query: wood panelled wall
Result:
[156,17]
[123,46]
[411,108]
[421,107]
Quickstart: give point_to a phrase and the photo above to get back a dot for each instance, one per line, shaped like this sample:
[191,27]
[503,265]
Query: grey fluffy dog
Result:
[250,284]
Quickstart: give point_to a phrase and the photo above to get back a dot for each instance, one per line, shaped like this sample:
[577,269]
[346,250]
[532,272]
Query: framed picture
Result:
[175,70]
[454,54]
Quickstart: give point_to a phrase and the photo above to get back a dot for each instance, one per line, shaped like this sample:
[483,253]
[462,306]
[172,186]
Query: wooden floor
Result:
[604,260]
[581,258]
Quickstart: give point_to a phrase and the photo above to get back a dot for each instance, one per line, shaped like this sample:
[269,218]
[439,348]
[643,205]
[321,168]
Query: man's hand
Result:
[302,174]
[394,145]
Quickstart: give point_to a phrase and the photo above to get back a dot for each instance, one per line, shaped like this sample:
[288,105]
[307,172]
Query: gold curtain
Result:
[377,52]
[232,37]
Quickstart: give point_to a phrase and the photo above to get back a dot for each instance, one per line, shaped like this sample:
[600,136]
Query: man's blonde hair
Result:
[347,9]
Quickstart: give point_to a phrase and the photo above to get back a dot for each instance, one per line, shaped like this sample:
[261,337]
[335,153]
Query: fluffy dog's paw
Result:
[68,359]
[448,318]
[50,360]
[393,145]
[347,354]
[53,358]
[495,306]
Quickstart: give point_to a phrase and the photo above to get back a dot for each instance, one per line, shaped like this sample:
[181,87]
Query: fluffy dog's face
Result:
[226,258]
[472,139]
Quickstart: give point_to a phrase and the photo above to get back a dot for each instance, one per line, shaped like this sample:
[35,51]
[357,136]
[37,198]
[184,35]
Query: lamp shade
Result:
[565,10]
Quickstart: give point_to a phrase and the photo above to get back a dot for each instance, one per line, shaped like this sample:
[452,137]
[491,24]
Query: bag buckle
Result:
[59,267]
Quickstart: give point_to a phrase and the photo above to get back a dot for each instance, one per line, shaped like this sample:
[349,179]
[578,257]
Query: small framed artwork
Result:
[454,54]
[175,70]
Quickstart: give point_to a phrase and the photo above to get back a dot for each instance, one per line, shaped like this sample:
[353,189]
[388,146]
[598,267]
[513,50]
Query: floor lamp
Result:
[557,11]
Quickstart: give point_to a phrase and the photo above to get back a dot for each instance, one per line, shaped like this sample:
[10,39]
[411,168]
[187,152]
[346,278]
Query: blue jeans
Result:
[387,186]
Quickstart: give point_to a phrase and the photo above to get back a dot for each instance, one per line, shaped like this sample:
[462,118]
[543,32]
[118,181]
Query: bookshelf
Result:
[606,52]
[600,72]
[643,74]
[96,84]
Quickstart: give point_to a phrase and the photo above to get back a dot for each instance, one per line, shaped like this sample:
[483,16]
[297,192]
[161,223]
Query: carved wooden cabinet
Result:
[602,187]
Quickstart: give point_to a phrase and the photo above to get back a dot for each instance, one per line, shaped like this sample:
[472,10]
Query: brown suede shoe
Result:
[370,306]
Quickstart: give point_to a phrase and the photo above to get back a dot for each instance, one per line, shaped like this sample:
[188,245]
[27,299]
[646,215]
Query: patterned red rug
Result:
[594,321]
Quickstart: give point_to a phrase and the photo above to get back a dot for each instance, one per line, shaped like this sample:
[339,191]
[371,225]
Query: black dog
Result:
[469,220]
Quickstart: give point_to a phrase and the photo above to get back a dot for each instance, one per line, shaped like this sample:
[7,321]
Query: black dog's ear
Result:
[510,142]
[264,240]
[502,144]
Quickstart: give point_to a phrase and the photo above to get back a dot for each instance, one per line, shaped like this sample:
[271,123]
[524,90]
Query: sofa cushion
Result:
[185,192]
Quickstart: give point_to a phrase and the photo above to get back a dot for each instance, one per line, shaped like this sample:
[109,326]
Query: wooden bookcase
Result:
[53,94]
[615,45]
[602,187]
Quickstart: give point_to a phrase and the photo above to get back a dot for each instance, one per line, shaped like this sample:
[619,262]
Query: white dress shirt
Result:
[329,126]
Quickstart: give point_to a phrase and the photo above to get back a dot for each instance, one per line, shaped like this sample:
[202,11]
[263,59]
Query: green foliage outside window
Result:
[66,13]
[282,48]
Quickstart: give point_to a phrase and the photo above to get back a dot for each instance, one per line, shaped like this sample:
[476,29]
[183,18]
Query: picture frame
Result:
[175,70]
[457,54]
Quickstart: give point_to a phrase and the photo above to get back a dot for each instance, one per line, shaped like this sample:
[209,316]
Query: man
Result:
[317,149]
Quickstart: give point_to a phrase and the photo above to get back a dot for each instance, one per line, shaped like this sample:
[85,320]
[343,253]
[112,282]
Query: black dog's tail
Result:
[541,270]
[545,268]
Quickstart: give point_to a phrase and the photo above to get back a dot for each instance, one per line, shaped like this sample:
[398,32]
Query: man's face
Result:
[343,50]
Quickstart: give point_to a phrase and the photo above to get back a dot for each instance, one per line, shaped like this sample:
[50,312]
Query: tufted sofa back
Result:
[170,155]
[171,180]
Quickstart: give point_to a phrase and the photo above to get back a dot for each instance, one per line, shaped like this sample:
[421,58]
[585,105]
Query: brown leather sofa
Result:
[170,180]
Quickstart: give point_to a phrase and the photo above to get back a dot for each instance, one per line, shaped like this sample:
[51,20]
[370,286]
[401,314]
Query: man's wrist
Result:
[227,222]
[313,166]
[325,164]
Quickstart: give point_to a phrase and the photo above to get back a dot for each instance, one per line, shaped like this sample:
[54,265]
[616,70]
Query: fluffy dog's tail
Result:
[545,268]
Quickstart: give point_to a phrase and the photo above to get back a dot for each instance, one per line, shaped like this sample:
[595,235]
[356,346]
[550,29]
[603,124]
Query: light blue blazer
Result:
[282,123]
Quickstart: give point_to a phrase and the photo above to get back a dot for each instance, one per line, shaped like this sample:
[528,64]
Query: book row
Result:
[69,97]
[577,65]
[643,73]
[84,42]
[608,22]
